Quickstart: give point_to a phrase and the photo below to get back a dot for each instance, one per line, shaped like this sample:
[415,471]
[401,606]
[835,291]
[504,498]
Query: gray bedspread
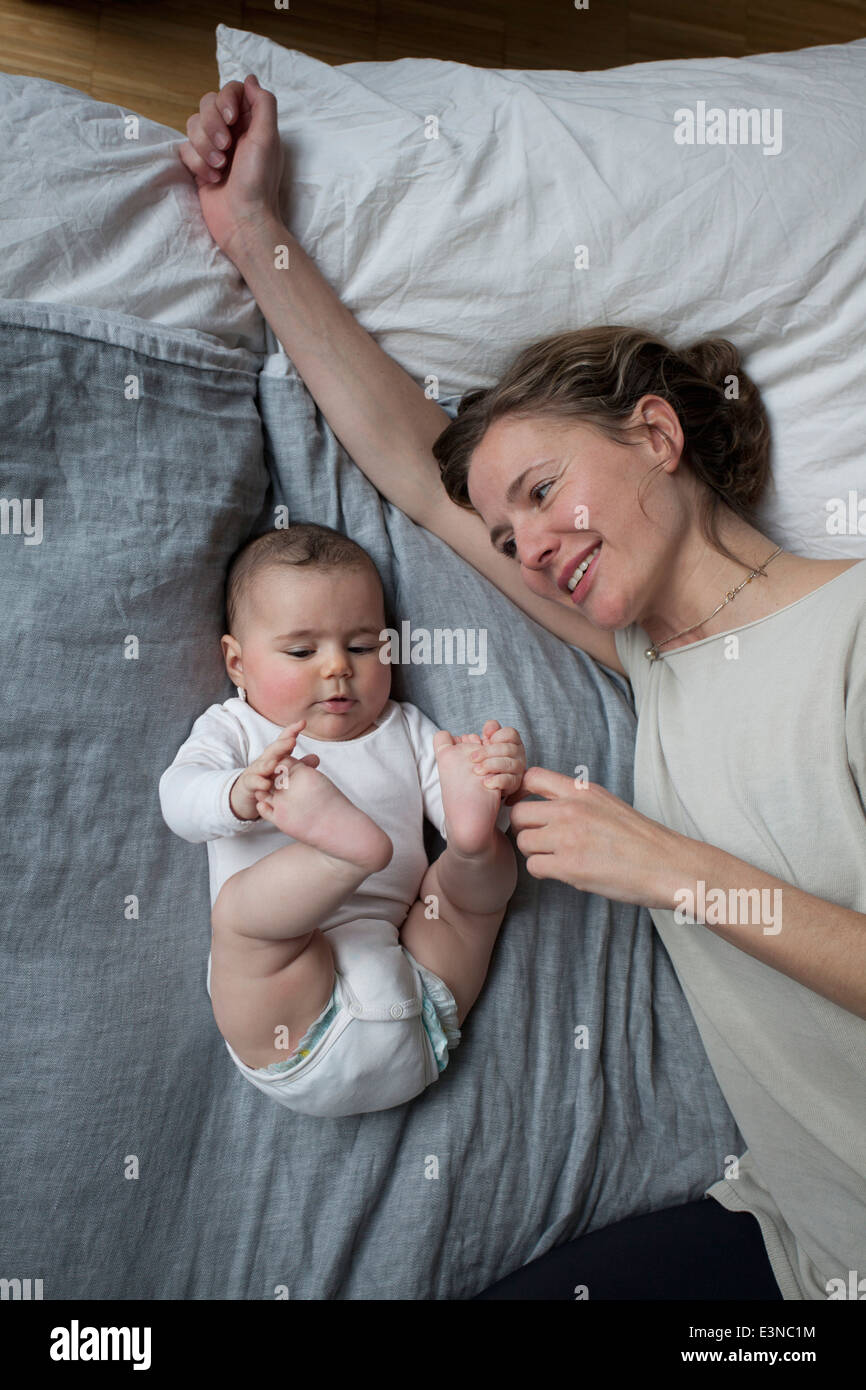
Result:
[136,1162]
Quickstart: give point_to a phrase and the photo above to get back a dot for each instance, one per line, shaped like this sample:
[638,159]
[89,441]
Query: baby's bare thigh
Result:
[255,993]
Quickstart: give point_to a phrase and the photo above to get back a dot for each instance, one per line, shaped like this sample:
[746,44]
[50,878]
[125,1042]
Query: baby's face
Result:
[307,636]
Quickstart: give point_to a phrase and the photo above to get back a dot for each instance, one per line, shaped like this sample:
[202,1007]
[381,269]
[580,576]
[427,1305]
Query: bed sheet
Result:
[137,1162]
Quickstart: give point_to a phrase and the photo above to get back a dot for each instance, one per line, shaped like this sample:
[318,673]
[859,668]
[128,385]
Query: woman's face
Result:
[579,493]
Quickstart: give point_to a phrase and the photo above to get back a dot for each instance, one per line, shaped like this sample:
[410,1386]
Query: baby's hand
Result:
[500,760]
[256,781]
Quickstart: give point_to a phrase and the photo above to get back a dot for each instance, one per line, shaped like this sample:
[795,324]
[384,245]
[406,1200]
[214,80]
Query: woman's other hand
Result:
[234,154]
[581,834]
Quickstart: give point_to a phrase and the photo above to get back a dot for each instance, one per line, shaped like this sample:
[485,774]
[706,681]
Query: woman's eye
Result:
[536,488]
[363,649]
[301,653]
[512,554]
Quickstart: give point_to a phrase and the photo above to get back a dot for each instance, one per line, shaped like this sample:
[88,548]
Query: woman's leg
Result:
[697,1251]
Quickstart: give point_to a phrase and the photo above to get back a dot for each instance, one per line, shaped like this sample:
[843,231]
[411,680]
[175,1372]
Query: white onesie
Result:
[372,1050]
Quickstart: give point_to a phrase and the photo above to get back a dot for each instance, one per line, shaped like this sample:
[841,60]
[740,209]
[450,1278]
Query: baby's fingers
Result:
[282,744]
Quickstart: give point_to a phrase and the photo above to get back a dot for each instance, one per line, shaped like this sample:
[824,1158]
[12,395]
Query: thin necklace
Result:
[652,653]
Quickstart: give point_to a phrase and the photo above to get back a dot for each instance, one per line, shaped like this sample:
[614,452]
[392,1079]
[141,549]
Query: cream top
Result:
[755,741]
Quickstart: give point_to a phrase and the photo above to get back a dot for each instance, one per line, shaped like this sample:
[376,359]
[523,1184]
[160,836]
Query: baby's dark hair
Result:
[305,544]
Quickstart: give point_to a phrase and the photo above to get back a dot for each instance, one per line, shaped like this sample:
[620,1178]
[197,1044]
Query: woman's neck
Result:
[703,577]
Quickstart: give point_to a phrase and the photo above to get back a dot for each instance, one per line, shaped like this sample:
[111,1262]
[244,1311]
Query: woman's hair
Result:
[304,545]
[597,376]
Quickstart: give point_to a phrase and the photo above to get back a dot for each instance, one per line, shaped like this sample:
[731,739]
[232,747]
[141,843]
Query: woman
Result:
[608,445]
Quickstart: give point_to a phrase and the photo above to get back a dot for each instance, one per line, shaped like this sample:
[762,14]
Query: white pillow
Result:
[455,251]
[90,217]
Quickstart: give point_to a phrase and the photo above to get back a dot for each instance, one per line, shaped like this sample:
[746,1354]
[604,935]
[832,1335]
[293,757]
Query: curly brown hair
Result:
[597,376]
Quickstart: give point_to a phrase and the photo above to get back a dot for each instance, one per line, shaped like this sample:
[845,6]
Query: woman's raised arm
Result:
[380,415]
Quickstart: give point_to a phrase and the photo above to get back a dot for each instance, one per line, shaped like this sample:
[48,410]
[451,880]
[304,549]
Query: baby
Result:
[342,963]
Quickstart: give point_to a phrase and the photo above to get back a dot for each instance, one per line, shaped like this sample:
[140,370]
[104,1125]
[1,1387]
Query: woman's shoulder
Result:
[814,574]
[836,593]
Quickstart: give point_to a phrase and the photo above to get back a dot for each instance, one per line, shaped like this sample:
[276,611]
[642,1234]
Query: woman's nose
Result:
[536,547]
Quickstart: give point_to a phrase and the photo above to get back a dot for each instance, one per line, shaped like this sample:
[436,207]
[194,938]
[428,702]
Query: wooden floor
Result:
[156,57]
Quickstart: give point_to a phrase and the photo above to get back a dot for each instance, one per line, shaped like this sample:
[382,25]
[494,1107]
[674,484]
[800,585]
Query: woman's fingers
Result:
[201,171]
[493,754]
[229,101]
[485,767]
[208,130]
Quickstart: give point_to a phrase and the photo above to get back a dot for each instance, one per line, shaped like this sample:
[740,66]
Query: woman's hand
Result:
[235,156]
[584,835]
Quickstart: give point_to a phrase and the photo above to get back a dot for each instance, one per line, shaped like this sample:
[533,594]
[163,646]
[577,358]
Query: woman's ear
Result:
[666,434]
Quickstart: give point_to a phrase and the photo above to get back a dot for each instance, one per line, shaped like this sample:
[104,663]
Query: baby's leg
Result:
[470,894]
[271,967]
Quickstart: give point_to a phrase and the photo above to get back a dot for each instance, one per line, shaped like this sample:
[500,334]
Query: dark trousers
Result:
[697,1251]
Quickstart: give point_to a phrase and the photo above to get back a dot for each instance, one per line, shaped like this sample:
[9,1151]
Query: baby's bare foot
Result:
[470,807]
[306,805]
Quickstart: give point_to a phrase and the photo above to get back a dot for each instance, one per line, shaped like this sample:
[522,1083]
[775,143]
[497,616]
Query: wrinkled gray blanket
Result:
[137,1162]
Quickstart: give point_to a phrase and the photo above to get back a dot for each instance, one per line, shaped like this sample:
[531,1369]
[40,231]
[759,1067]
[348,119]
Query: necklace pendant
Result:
[651,654]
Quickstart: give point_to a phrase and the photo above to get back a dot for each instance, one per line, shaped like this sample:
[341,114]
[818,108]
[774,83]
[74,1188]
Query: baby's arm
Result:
[194,791]
[209,791]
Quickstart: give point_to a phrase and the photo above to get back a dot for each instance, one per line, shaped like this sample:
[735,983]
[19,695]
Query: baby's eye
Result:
[307,651]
